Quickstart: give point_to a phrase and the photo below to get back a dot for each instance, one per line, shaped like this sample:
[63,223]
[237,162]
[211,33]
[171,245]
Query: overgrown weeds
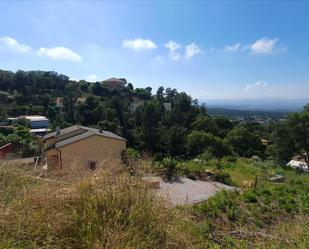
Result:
[235,220]
[105,210]
[13,183]
[111,209]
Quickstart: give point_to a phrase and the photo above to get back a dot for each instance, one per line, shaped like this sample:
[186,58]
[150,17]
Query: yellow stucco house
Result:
[79,148]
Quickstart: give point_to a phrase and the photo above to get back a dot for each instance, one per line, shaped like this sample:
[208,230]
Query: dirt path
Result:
[187,191]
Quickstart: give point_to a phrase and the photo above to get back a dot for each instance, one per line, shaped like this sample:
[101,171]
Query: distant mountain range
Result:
[262,104]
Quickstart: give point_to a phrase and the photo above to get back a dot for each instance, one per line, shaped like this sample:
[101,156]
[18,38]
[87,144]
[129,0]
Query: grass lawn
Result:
[241,171]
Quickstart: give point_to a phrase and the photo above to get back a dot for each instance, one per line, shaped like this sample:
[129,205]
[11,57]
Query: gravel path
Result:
[187,191]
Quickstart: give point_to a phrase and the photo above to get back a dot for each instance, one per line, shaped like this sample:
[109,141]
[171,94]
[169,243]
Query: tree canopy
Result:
[163,121]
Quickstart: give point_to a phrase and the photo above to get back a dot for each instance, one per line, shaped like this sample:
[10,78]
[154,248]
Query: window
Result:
[92,165]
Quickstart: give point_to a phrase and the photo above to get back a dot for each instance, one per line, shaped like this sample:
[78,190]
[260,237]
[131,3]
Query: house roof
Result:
[30,118]
[35,118]
[63,131]
[103,133]
[87,133]
[113,79]
[39,130]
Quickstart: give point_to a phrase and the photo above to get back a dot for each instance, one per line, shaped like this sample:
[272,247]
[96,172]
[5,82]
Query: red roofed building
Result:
[113,83]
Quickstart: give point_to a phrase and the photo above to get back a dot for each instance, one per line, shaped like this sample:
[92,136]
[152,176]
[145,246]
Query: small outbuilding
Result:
[80,148]
[36,121]
[298,165]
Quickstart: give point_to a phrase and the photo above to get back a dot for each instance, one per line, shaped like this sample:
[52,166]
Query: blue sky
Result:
[212,50]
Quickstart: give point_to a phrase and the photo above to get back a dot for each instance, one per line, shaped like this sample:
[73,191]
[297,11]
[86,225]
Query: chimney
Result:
[57,130]
[100,129]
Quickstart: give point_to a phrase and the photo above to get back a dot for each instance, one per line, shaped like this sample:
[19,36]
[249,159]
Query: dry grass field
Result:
[111,209]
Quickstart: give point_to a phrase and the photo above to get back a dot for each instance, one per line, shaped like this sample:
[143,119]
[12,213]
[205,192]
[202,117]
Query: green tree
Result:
[3,140]
[160,94]
[69,101]
[173,140]
[243,142]
[206,124]
[298,125]
[100,90]
[86,112]
[199,141]
[283,146]
[143,93]
[150,116]
[13,138]
[306,108]
[130,86]
[223,125]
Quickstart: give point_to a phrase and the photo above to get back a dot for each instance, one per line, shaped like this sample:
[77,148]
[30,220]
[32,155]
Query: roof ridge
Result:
[87,130]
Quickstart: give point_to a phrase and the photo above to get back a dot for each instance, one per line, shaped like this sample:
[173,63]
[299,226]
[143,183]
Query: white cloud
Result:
[261,46]
[258,84]
[191,50]
[233,48]
[139,44]
[173,48]
[13,44]
[264,46]
[60,53]
[92,78]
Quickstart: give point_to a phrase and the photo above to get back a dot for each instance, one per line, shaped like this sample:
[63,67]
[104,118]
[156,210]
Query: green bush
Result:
[222,177]
[222,202]
[170,168]
[206,155]
[191,175]
[205,228]
[233,213]
[288,203]
[133,153]
[230,159]
[193,169]
[250,196]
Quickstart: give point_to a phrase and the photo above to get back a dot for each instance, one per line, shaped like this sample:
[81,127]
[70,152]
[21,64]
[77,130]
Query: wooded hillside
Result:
[145,119]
